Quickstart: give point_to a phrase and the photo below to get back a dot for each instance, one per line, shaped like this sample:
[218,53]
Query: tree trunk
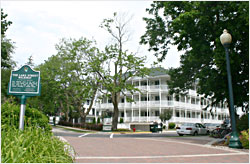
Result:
[67,109]
[84,114]
[116,99]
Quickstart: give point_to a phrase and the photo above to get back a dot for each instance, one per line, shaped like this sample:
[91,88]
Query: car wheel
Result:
[195,133]
[180,134]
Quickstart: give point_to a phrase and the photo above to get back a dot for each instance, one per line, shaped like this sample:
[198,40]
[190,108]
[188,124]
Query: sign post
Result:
[24,83]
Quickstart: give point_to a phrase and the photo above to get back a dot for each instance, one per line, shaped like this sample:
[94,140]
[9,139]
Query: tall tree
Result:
[7,46]
[69,78]
[124,64]
[195,27]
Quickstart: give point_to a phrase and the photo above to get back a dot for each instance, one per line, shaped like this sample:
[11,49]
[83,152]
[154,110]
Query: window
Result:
[193,114]
[157,82]
[192,100]
[144,83]
[157,113]
[93,111]
[143,113]
[197,100]
[87,102]
[183,113]
[188,114]
[170,98]
[177,113]
[109,101]
[122,114]
[157,98]
[182,98]
[122,100]
[143,98]
[177,98]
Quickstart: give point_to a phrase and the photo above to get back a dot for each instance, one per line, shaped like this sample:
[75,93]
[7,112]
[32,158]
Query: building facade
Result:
[154,98]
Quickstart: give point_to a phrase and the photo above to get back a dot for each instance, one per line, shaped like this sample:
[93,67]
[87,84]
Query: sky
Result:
[38,26]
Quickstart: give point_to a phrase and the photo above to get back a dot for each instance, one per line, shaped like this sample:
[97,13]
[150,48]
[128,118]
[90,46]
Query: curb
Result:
[68,147]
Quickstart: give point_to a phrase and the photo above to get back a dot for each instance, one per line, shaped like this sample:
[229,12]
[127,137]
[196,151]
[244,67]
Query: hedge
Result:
[89,126]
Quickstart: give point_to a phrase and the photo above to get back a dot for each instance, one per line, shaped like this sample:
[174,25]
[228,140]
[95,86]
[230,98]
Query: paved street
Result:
[113,148]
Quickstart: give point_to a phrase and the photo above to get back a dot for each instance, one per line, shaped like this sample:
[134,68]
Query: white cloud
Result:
[38,26]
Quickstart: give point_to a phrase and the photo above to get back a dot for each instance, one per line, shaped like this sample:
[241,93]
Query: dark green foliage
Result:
[171,125]
[195,27]
[93,121]
[6,44]
[243,123]
[166,115]
[121,120]
[89,126]
[98,120]
[33,117]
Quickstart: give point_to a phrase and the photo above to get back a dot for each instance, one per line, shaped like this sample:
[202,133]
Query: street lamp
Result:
[234,141]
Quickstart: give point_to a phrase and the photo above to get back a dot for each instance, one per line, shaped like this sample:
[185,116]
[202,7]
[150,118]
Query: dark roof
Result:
[158,71]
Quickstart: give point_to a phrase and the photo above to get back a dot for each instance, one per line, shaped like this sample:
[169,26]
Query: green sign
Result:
[25,81]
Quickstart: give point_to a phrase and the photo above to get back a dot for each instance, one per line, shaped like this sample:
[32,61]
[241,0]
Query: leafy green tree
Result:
[69,78]
[166,115]
[7,46]
[121,65]
[195,27]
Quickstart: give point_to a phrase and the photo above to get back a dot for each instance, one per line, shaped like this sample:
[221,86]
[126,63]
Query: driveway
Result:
[149,148]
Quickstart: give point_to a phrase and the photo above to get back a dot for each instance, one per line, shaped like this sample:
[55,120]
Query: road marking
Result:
[165,156]
[83,135]
[111,136]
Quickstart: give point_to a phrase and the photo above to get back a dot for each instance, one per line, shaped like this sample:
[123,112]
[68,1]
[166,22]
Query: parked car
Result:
[211,126]
[191,129]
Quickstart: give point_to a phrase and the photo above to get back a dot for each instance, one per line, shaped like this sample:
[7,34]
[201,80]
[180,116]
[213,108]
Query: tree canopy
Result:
[7,46]
[195,27]
[68,79]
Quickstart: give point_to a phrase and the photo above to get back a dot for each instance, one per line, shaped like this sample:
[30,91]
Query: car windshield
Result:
[187,124]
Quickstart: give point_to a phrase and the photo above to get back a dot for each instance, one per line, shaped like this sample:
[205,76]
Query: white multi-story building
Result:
[154,98]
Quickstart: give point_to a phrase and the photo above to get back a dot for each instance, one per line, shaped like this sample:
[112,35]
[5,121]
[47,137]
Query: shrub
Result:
[171,125]
[121,120]
[227,140]
[88,126]
[243,123]
[33,117]
[33,145]
[244,139]
[93,121]
[98,120]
